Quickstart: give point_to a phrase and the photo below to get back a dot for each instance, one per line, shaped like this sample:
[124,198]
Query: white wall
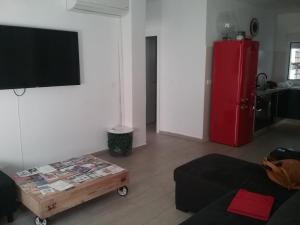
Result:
[242,13]
[139,70]
[287,31]
[182,66]
[62,122]
[187,30]
[134,70]
[153,17]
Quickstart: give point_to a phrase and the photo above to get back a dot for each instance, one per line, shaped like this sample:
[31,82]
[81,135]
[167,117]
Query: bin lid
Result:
[120,130]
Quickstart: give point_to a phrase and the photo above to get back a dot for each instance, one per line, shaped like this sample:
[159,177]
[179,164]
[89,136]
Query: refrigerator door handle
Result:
[245,106]
[245,100]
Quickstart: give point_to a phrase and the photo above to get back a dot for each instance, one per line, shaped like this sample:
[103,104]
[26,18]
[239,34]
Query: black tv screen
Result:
[31,57]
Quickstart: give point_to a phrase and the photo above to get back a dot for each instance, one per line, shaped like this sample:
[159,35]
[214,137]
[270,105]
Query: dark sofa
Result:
[8,197]
[207,185]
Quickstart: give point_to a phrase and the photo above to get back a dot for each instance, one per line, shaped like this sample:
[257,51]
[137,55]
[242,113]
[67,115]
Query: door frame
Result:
[156,34]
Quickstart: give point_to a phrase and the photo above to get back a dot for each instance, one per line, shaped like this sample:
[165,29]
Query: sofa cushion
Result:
[216,214]
[218,169]
[208,178]
[260,183]
[288,213]
[207,186]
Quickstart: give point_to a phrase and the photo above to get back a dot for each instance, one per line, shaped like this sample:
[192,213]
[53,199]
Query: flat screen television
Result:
[31,57]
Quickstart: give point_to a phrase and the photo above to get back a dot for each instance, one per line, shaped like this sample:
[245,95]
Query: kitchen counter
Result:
[275,90]
[295,88]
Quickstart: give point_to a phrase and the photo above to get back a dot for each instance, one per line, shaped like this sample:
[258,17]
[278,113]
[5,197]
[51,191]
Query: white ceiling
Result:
[280,5]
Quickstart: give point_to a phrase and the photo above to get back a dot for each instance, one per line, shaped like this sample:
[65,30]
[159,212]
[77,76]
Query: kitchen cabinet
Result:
[289,104]
[266,110]
[282,107]
[263,111]
[281,104]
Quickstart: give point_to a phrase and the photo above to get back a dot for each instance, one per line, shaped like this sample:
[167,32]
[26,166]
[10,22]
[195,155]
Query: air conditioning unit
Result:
[110,7]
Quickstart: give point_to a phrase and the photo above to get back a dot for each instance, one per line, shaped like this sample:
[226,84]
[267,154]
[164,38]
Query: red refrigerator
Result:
[233,92]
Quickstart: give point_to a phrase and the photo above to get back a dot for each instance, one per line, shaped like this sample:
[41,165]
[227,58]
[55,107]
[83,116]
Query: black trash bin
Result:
[120,141]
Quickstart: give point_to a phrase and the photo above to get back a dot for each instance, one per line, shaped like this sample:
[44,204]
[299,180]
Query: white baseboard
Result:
[183,137]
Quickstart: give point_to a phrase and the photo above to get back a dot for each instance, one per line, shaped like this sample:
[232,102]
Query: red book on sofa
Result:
[251,204]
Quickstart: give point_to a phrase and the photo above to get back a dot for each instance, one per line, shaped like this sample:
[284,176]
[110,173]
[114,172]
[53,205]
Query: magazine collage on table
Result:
[64,175]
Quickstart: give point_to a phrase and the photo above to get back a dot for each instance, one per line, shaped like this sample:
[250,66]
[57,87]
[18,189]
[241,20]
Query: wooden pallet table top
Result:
[59,186]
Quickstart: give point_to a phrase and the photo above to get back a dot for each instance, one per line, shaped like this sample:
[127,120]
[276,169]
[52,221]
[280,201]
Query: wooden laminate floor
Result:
[151,195]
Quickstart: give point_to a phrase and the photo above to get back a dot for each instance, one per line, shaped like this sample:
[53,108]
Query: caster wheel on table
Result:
[39,221]
[123,191]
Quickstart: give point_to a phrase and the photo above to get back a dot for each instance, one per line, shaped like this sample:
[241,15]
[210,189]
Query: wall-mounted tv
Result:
[31,57]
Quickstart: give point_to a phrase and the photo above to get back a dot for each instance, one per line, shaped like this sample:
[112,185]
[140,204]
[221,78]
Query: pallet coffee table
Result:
[57,187]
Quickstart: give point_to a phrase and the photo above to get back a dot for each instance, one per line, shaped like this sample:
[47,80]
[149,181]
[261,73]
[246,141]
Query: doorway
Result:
[151,83]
